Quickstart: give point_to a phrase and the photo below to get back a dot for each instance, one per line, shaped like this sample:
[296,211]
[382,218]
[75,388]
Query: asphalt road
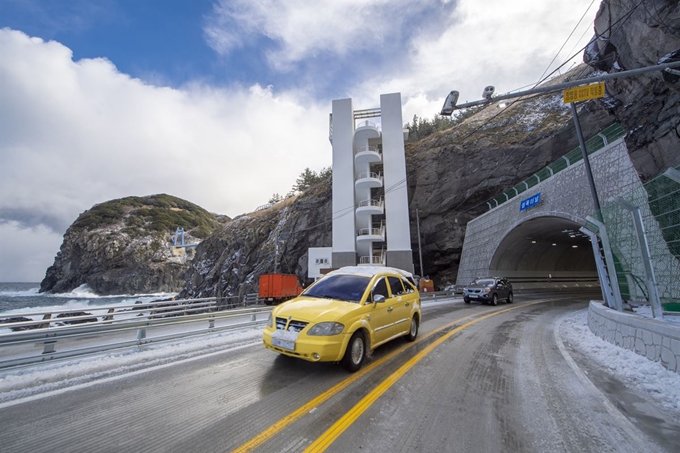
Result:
[479,379]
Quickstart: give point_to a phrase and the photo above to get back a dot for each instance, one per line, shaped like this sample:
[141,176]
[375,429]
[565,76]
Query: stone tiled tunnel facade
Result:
[565,195]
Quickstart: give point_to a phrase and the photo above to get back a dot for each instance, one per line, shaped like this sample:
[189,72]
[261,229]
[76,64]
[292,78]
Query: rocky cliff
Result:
[125,246]
[453,173]
[276,239]
[631,34]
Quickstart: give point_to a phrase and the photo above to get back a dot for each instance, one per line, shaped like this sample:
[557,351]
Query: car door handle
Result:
[407,304]
[389,309]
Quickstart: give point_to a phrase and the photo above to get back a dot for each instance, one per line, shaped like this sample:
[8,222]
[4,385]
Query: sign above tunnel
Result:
[530,202]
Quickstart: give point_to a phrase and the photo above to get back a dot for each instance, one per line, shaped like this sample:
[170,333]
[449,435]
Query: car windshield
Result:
[342,287]
[483,282]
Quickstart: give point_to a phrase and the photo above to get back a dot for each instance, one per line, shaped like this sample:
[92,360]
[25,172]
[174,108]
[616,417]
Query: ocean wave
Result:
[17,300]
[21,293]
[85,292]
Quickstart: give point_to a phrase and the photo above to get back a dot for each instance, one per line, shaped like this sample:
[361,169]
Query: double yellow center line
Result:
[332,433]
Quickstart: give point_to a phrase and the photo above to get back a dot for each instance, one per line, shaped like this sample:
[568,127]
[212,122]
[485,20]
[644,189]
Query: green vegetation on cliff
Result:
[157,213]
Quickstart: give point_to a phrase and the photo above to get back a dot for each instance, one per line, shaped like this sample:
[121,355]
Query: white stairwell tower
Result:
[370,203]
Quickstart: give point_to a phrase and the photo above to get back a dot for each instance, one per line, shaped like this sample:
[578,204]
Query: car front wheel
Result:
[494,299]
[355,352]
[510,298]
[466,300]
[413,332]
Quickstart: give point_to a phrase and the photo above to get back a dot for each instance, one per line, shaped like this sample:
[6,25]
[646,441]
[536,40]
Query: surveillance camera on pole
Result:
[450,104]
[488,92]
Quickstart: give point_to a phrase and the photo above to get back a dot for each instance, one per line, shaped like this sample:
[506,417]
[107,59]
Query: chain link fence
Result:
[657,207]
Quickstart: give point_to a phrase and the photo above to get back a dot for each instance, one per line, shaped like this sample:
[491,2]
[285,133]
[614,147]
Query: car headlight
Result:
[325,329]
[488,290]
[270,320]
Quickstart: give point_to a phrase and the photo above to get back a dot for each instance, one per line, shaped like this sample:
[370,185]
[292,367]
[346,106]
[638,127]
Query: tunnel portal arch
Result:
[500,241]
[545,247]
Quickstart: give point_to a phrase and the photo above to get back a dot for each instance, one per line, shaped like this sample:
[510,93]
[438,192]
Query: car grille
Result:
[293,325]
[474,291]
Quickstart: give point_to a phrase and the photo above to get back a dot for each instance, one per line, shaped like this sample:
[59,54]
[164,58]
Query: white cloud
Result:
[421,49]
[505,44]
[73,134]
[300,29]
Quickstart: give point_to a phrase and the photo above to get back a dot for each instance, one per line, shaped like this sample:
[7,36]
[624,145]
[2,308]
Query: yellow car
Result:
[345,314]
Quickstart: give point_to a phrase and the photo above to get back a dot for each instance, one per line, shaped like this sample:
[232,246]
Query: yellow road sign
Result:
[576,94]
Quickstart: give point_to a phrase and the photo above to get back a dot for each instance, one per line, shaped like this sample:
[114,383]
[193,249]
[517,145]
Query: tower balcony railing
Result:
[367,149]
[368,180]
[367,154]
[367,124]
[371,175]
[374,259]
[370,207]
[373,202]
[372,231]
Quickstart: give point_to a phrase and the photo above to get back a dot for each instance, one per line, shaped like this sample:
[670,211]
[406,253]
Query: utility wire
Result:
[568,37]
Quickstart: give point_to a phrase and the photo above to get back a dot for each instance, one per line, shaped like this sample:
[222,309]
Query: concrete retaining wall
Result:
[657,340]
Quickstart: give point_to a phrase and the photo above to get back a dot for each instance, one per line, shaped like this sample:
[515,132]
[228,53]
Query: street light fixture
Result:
[488,92]
[450,103]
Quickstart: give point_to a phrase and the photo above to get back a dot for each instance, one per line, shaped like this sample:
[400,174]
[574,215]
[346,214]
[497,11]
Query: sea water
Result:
[16,298]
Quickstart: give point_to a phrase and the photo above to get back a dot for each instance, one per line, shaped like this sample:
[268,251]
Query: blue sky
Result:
[143,38]
[221,43]
[226,102]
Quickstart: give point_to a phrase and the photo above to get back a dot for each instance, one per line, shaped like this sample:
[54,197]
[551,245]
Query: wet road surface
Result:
[479,378]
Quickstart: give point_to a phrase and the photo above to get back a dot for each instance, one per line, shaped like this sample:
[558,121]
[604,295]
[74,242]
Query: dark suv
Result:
[488,290]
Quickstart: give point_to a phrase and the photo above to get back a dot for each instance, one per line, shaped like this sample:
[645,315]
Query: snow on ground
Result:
[646,312]
[33,380]
[651,378]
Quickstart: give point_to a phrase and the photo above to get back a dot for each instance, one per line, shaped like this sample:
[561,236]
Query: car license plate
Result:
[290,345]
[473,296]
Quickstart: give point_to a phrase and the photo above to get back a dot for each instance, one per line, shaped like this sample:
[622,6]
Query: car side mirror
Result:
[378,298]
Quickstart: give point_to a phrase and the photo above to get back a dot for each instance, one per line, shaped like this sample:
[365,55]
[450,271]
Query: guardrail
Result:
[72,333]
[105,328]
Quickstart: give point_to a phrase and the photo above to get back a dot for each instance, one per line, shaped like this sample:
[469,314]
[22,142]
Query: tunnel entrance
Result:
[546,252]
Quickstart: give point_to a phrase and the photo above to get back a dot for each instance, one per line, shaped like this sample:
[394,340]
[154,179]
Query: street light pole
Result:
[586,160]
[562,86]
[420,250]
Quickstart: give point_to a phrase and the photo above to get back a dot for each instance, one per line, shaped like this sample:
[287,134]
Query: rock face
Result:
[230,261]
[630,34]
[125,246]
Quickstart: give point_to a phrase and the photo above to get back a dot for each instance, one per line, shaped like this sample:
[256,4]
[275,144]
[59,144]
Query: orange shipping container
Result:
[275,288]
[426,285]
